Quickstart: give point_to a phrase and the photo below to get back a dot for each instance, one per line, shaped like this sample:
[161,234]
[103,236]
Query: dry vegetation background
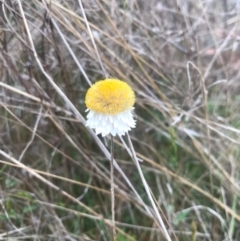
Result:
[182,59]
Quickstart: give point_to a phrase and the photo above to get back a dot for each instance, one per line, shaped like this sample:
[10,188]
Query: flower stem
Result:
[112,191]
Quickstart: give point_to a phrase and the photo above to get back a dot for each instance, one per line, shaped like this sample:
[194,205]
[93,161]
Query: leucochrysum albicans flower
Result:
[110,107]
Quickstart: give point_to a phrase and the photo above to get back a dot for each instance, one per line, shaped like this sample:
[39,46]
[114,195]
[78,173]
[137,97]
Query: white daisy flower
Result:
[110,106]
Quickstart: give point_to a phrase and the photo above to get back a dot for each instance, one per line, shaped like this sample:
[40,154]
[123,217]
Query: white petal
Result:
[114,131]
[90,114]
[111,124]
[110,118]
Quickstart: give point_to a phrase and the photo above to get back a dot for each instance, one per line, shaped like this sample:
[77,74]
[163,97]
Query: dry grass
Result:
[182,59]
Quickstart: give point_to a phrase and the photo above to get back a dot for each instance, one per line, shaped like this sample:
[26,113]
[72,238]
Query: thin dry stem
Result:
[147,189]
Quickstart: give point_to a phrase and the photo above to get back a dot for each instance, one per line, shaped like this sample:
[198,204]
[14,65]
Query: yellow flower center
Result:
[110,96]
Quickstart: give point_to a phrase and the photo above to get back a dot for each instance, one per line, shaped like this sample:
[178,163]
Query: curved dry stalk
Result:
[112,190]
[92,39]
[147,189]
